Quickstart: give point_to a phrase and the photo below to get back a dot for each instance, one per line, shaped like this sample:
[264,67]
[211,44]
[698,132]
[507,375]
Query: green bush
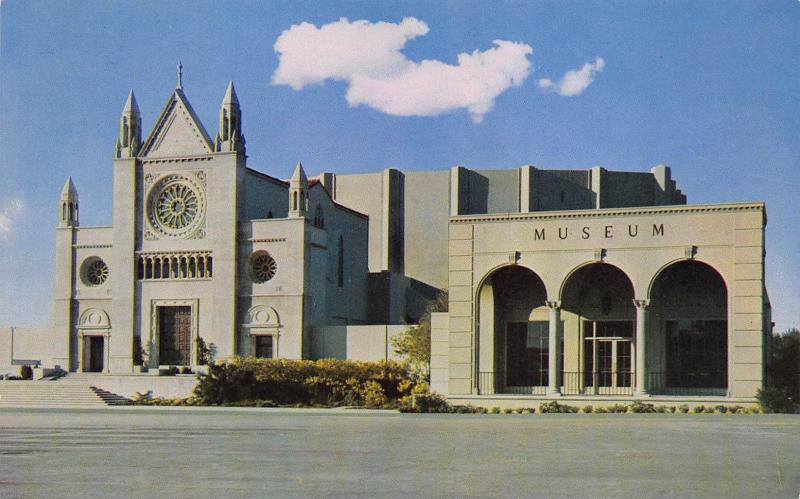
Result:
[774,399]
[494,410]
[554,407]
[641,408]
[684,408]
[308,382]
[587,409]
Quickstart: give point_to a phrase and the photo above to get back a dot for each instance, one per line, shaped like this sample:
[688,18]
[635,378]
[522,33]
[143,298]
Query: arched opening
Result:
[599,331]
[689,301]
[512,332]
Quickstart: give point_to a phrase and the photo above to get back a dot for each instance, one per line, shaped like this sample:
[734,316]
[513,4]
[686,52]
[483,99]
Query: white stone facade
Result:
[631,289]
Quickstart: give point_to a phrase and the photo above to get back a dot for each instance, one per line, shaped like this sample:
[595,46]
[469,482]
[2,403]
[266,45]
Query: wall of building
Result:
[284,240]
[265,197]
[365,194]
[440,352]
[345,304]
[355,342]
[729,238]
[23,346]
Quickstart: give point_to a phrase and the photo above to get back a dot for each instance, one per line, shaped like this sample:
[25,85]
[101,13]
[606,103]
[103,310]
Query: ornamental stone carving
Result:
[176,207]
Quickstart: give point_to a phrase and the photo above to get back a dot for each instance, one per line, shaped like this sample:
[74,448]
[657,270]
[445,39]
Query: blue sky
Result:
[709,88]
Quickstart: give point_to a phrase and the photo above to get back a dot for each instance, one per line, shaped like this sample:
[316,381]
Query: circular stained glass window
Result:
[177,207]
[262,267]
[94,271]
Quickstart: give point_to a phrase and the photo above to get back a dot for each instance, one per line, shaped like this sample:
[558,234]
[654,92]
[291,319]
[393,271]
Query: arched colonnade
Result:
[608,338]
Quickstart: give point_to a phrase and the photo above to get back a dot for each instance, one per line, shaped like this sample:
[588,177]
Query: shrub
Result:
[587,409]
[774,399]
[554,407]
[720,409]
[204,353]
[186,370]
[494,410]
[684,408]
[698,409]
[640,408]
[307,382]
[25,372]
[617,409]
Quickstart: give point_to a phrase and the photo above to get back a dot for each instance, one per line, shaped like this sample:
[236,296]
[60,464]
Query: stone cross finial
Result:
[180,75]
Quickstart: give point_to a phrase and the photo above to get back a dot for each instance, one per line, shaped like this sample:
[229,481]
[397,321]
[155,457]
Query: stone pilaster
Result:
[641,346]
[553,357]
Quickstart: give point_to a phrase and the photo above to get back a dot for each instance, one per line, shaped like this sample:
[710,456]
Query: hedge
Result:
[250,381]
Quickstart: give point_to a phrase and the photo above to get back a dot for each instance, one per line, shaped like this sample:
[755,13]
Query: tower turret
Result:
[68,213]
[130,129]
[298,192]
[229,137]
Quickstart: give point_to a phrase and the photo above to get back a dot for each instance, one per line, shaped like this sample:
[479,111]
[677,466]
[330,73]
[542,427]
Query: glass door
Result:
[608,357]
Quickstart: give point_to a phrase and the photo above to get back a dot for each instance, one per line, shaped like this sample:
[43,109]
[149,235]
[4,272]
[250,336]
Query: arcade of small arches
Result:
[598,338]
[174,265]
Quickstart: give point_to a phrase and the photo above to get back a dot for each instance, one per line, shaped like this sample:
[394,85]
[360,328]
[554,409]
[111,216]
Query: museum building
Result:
[562,283]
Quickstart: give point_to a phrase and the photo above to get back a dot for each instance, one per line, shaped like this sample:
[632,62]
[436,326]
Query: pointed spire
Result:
[69,192]
[298,192]
[179,84]
[230,95]
[230,123]
[130,129]
[131,107]
[68,207]
[299,174]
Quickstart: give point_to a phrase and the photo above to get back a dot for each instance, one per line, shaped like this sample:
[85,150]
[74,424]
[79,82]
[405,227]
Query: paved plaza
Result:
[166,452]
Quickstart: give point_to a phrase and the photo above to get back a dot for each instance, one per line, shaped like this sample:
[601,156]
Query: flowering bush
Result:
[325,382]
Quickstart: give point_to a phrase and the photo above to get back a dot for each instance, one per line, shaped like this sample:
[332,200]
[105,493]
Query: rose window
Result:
[95,271]
[177,207]
[263,267]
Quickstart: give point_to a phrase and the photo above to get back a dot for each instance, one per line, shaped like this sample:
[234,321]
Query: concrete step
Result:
[48,393]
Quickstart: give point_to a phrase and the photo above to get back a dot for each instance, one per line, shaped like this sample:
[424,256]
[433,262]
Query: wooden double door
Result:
[175,336]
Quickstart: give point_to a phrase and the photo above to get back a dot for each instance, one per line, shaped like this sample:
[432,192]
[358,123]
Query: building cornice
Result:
[610,212]
[176,159]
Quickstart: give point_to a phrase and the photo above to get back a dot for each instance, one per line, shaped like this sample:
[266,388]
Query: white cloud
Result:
[574,81]
[368,57]
[8,215]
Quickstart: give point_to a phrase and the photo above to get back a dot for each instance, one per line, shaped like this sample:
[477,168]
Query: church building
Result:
[562,283]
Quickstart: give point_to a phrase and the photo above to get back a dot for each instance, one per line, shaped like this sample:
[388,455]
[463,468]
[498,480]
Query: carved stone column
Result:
[553,354]
[641,346]
[107,352]
[81,347]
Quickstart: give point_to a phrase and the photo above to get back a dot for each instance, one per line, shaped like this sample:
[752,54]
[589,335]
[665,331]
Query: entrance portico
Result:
[677,311]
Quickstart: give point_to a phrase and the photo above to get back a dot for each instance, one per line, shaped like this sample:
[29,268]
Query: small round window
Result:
[262,267]
[94,271]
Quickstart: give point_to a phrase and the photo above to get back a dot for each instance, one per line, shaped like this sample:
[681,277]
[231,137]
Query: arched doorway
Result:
[599,331]
[512,332]
[690,301]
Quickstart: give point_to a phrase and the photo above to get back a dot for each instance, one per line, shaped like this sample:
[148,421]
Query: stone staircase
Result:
[67,391]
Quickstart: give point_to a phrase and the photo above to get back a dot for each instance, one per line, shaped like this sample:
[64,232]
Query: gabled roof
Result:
[177,131]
